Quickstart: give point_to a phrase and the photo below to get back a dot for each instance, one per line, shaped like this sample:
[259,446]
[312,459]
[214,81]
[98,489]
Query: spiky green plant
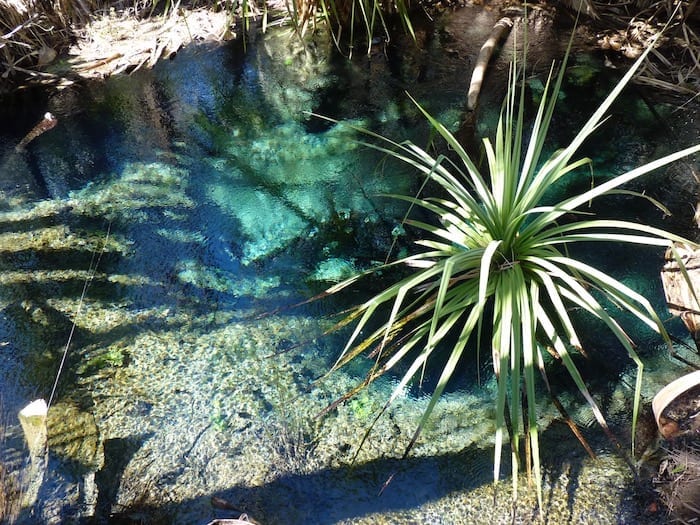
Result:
[495,261]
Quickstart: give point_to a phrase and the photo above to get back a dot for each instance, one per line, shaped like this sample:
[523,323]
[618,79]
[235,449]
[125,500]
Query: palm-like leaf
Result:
[494,244]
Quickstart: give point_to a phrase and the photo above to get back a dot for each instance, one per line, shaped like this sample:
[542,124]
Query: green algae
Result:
[138,188]
[333,270]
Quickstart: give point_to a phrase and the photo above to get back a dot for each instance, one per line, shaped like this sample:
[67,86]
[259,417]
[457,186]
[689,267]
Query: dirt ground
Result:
[115,42]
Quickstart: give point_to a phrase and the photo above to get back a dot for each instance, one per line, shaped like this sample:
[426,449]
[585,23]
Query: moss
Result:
[111,357]
[363,406]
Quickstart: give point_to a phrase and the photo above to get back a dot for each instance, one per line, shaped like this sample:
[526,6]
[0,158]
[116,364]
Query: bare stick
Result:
[498,33]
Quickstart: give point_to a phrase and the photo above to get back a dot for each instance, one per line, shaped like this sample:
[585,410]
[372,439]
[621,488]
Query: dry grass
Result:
[118,43]
[33,33]
[675,64]
[679,478]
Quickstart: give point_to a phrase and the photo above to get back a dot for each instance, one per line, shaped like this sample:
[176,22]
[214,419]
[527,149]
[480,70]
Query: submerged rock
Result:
[334,270]
[73,437]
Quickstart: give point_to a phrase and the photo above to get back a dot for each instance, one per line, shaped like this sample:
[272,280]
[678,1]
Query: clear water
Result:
[208,203]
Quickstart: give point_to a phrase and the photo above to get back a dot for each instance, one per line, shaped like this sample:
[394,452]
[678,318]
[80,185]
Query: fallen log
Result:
[498,33]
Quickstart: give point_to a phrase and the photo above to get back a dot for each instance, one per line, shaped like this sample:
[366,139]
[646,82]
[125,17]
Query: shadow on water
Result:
[117,454]
[379,486]
[393,487]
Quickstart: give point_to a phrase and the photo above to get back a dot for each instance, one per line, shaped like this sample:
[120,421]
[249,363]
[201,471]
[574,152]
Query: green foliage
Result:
[494,265]
[112,357]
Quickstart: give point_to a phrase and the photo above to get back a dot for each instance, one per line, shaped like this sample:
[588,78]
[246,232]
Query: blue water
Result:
[201,194]
[222,200]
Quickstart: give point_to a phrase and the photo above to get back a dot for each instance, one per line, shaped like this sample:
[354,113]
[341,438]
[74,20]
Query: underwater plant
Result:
[495,267]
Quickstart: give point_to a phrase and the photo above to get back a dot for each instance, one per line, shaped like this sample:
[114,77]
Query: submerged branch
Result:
[499,32]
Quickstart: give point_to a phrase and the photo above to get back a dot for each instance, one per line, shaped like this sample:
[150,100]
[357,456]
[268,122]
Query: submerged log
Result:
[498,33]
[47,123]
[466,135]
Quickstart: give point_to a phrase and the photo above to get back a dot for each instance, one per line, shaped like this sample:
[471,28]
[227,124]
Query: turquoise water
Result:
[208,202]
[203,196]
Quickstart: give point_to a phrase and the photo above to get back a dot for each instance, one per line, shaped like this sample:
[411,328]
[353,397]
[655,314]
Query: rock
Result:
[73,436]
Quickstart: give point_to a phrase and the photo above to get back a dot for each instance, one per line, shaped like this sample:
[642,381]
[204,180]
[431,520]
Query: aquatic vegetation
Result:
[11,484]
[73,435]
[113,357]
[206,278]
[496,269]
[363,406]
[140,187]
[334,269]
[282,181]
[292,441]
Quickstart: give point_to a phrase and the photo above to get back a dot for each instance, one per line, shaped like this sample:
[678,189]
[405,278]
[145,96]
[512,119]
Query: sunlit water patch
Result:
[199,203]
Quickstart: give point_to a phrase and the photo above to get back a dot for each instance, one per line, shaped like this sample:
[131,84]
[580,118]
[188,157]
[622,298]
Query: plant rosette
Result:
[493,267]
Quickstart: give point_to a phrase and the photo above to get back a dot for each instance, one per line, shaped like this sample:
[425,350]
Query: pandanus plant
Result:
[493,263]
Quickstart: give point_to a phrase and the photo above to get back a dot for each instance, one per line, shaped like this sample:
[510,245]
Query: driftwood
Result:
[47,123]
[498,33]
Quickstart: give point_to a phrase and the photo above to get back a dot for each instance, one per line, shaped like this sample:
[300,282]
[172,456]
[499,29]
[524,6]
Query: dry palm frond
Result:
[30,35]
[675,65]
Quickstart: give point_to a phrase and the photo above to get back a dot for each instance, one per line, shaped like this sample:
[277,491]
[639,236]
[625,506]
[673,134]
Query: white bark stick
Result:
[498,33]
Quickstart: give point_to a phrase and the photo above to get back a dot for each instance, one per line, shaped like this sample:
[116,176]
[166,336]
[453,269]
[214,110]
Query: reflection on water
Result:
[206,199]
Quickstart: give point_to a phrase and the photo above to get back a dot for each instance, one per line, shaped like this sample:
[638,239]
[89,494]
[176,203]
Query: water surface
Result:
[200,202]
